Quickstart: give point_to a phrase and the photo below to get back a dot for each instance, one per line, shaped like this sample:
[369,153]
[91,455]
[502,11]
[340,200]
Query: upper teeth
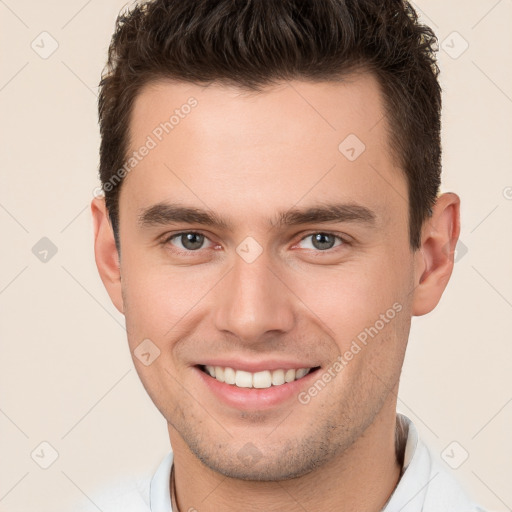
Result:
[263,379]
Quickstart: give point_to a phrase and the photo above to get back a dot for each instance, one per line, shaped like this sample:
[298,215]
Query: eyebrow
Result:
[162,214]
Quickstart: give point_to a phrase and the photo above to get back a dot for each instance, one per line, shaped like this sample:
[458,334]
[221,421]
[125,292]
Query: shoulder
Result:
[129,495]
[444,493]
[145,493]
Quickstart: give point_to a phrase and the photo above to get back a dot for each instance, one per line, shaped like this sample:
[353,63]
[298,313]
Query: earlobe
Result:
[105,252]
[435,258]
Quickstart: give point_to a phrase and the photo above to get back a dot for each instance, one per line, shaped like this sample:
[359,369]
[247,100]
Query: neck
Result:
[361,478]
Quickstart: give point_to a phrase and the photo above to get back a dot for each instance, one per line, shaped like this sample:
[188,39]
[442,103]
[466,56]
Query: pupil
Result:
[192,240]
[319,241]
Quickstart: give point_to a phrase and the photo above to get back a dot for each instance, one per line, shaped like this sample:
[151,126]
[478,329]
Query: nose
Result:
[253,302]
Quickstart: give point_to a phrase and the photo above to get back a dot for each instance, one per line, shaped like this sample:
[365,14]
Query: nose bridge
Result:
[253,300]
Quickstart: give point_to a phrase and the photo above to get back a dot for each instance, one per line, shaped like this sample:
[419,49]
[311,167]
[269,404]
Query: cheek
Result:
[159,300]
[349,299]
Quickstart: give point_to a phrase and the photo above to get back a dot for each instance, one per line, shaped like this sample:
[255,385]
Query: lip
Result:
[252,399]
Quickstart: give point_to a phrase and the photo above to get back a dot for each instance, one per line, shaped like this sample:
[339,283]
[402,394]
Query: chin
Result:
[271,463]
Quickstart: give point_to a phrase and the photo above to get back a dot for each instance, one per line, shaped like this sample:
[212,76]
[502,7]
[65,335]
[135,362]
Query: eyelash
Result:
[166,241]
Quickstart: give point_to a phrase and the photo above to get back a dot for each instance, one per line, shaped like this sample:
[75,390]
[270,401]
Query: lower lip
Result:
[253,398]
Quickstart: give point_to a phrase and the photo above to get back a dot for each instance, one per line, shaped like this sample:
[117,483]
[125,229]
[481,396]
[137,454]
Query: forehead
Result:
[289,143]
[306,109]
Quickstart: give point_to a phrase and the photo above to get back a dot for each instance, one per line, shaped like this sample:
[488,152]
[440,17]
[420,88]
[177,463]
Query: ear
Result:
[435,257]
[105,252]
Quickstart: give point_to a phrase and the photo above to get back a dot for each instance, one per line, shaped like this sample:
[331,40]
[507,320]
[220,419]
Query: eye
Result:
[322,241]
[187,241]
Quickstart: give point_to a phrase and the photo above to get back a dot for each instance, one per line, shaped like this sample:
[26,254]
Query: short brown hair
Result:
[256,43]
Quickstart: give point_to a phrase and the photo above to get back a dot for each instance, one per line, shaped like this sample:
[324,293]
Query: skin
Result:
[246,157]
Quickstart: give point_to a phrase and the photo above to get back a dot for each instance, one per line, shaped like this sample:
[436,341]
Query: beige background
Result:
[65,372]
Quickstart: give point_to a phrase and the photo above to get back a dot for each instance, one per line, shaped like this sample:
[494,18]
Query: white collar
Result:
[159,488]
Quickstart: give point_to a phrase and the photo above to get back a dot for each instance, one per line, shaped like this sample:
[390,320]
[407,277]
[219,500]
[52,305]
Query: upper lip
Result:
[256,366]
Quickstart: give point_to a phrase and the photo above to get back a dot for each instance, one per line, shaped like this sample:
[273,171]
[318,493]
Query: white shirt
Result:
[424,486]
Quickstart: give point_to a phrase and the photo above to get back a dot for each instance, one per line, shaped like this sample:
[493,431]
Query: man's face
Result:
[269,290]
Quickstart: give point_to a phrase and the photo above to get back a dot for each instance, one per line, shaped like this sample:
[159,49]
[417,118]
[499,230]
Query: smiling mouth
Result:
[258,380]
